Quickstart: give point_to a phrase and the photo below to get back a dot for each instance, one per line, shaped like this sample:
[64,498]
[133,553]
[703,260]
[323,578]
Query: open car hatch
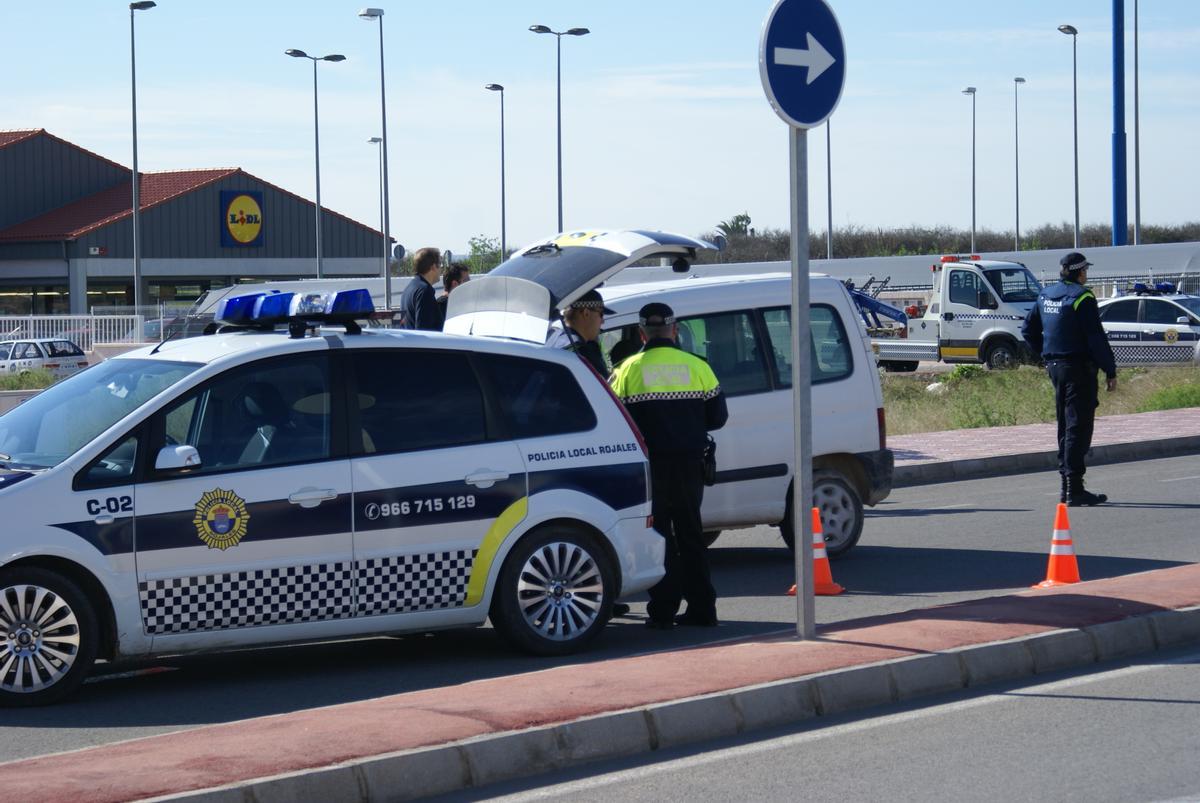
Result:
[566,266]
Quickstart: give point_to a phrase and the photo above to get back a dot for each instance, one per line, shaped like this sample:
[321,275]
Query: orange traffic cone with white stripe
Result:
[1063,569]
[823,585]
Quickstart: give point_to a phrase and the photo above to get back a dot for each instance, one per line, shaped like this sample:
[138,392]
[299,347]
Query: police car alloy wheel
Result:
[554,592]
[49,637]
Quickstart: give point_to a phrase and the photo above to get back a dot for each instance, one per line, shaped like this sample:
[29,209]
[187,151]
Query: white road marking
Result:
[1181,479]
[637,773]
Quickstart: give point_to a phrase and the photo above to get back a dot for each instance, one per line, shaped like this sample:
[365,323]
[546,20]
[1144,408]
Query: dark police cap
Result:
[656,313]
[591,300]
[1074,261]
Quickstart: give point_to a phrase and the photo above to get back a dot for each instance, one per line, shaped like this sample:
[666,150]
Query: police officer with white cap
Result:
[1064,328]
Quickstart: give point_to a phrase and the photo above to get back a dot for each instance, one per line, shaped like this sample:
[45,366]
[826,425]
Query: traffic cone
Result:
[823,585]
[1063,569]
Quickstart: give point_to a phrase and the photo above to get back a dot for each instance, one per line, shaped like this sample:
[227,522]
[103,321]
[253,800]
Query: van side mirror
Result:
[681,265]
[987,301]
[181,457]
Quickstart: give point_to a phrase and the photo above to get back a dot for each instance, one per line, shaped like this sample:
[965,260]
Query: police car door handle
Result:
[311,497]
[486,478]
[105,519]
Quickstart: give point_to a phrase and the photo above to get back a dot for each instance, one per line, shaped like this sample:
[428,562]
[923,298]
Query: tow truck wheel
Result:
[555,592]
[1002,354]
[48,637]
[841,513]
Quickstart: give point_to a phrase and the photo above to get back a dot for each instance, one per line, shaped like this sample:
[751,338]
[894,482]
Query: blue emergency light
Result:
[298,310]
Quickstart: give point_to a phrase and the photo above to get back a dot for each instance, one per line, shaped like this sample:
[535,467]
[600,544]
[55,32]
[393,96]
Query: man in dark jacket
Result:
[1064,328]
[418,307]
[580,330]
[675,399]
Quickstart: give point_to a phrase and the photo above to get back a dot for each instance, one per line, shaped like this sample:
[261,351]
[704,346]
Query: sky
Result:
[664,121]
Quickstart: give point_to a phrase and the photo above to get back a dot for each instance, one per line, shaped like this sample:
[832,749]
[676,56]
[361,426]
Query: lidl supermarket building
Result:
[66,231]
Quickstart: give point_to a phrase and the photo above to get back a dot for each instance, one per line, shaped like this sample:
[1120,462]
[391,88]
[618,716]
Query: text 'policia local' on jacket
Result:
[1065,324]
[674,398]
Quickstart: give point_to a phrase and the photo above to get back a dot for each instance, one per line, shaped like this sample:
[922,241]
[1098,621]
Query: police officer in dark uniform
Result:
[675,399]
[1064,327]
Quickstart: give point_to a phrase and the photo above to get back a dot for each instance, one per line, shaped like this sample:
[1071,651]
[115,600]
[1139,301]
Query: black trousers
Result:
[678,491]
[1075,400]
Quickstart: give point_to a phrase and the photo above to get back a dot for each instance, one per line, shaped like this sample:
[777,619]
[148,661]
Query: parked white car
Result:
[1153,326]
[58,357]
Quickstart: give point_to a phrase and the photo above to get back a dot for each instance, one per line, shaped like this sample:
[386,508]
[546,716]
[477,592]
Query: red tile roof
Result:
[11,137]
[76,219]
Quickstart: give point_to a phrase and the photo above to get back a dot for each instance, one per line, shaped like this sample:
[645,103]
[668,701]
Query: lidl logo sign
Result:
[241,218]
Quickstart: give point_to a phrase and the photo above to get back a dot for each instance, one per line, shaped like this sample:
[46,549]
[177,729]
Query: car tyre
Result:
[841,513]
[1003,355]
[49,636]
[555,591]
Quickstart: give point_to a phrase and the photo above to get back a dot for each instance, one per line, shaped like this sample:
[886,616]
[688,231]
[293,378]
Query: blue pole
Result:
[1120,219]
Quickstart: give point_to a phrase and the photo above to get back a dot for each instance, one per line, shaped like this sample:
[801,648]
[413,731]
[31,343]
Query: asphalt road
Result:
[924,546]
[1125,733]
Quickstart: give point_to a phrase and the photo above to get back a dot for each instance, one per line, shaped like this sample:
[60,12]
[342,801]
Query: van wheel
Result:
[48,637]
[841,513]
[1002,354]
[900,366]
[555,592]
[711,536]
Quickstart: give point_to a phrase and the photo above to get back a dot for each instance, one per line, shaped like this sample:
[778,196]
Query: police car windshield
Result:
[1014,284]
[57,422]
[1191,304]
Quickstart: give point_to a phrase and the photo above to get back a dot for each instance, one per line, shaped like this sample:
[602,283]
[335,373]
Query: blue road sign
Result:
[802,61]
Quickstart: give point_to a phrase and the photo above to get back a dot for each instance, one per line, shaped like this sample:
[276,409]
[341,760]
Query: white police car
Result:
[1152,325]
[252,487]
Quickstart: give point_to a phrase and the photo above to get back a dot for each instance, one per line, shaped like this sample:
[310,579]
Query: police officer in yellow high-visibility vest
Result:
[675,399]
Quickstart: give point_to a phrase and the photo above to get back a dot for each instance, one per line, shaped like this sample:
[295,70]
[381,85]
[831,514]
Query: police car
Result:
[54,355]
[255,486]
[1152,324]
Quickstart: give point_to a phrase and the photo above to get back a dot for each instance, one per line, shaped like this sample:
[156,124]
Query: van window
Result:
[410,400]
[728,342]
[831,355]
[537,398]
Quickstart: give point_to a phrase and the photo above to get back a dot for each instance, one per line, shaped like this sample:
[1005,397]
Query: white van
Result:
[742,327]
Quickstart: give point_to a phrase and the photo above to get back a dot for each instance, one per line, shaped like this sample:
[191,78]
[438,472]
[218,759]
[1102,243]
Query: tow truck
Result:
[974,315]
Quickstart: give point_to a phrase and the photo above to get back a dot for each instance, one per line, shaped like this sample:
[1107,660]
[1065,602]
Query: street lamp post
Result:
[377,14]
[1073,32]
[971,91]
[1017,166]
[558,35]
[503,239]
[382,212]
[300,54]
[1137,142]
[828,194]
[143,5]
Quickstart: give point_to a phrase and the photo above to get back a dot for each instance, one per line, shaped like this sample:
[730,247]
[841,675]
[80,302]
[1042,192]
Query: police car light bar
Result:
[267,310]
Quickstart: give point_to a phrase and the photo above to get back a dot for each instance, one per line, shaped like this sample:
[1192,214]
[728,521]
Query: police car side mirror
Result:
[177,458]
[1184,320]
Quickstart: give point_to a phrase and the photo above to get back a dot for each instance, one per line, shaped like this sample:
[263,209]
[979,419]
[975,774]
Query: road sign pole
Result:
[806,622]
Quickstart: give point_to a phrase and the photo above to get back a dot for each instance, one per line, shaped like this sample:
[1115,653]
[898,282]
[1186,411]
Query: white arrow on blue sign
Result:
[802,61]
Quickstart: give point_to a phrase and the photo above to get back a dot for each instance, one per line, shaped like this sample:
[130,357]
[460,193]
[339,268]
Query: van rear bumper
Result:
[878,468]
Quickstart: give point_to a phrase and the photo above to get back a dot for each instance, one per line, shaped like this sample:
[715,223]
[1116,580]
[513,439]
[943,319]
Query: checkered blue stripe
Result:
[403,583]
[396,584]
[246,599]
[1143,355]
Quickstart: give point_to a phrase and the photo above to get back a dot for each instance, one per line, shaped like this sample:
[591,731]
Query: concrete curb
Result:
[981,467]
[476,762]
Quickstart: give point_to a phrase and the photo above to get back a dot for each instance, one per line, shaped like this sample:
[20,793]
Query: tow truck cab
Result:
[974,315]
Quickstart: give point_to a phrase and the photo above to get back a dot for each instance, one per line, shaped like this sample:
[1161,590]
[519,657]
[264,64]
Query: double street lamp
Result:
[300,54]
[1017,166]
[971,91]
[503,240]
[1073,32]
[558,35]
[143,5]
[370,14]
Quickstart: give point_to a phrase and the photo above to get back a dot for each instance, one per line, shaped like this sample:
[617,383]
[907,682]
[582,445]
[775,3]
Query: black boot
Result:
[1078,497]
[1062,497]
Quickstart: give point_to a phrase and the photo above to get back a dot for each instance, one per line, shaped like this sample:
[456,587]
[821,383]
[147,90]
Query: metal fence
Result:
[84,331]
